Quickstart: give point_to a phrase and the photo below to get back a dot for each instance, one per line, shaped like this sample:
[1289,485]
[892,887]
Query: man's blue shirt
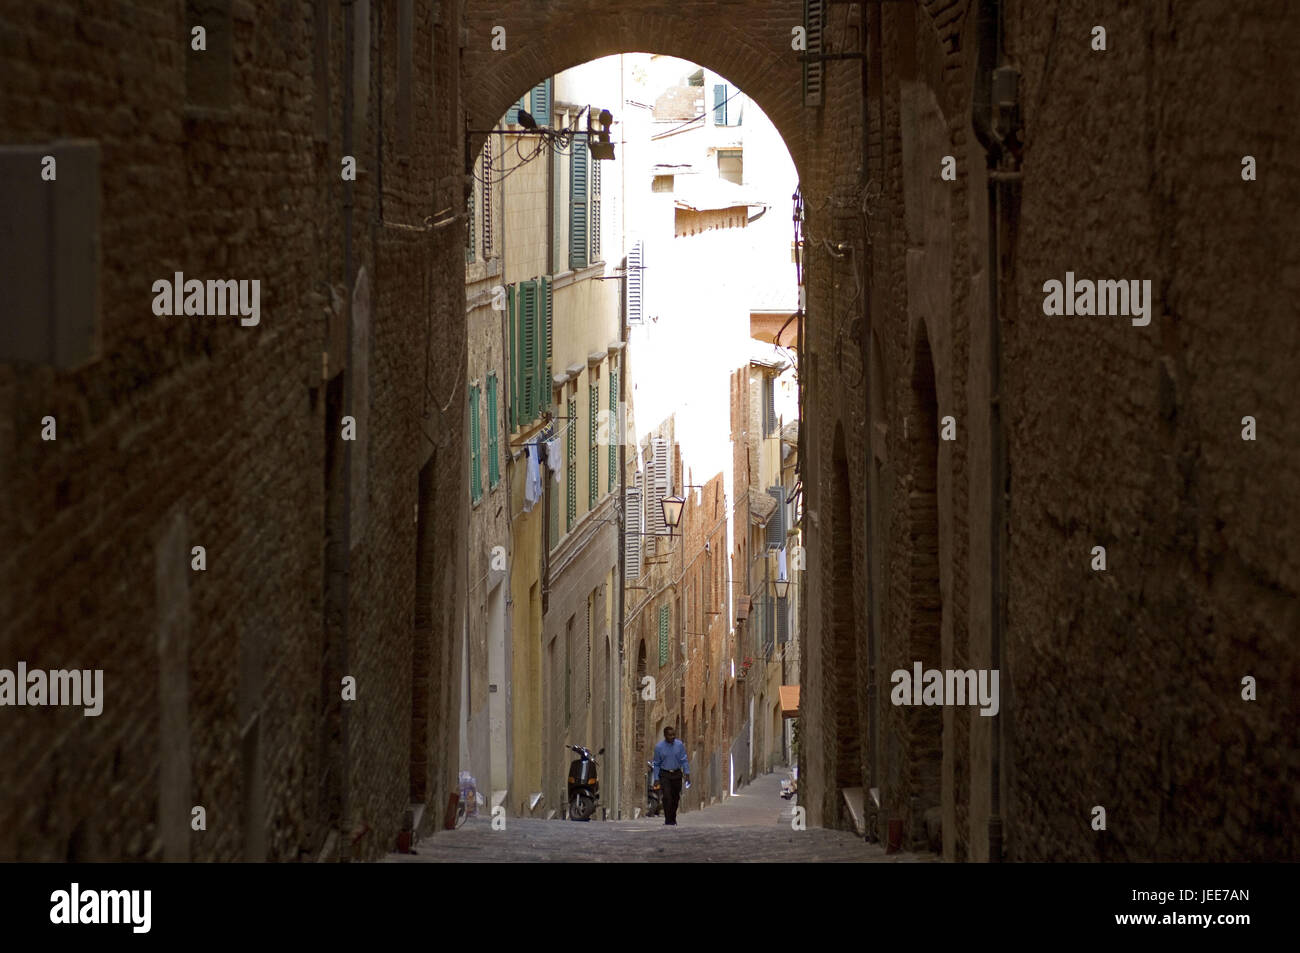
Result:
[670,757]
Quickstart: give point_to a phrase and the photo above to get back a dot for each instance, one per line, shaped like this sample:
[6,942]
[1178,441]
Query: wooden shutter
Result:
[783,620]
[720,104]
[768,625]
[514,361]
[578,205]
[528,350]
[663,636]
[545,335]
[634,526]
[541,103]
[512,114]
[475,458]
[768,406]
[494,468]
[485,188]
[571,465]
[596,165]
[657,485]
[593,445]
[776,524]
[814,12]
[613,430]
[635,282]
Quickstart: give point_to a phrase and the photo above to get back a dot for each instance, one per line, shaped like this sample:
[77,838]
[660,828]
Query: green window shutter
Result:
[475,459]
[513,370]
[578,205]
[613,429]
[663,636]
[541,103]
[720,104]
[595,209]
[544,344]
[494,468]
[593,446]
[512,114]
[528,350]
[553,494]
[571,466]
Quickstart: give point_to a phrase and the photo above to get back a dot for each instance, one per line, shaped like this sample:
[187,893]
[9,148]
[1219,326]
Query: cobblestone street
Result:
[753,826]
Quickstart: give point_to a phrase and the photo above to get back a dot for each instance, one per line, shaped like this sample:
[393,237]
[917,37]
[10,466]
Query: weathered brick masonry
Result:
[223,686]
[1119,689]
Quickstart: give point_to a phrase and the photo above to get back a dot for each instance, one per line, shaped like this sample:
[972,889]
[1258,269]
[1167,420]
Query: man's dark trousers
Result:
[671,782]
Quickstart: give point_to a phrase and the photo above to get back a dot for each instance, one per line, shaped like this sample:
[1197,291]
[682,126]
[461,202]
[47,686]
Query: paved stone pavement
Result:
[754,826]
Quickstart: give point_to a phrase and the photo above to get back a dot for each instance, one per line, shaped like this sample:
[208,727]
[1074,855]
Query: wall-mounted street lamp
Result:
[672,506]
[781,587]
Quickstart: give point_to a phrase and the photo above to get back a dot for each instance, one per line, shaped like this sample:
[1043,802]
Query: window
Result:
[494,467]
[720,104]
[475,459]
[568,671]
[731,166]
[529,304]
[593,444]
[769,406]
[485,194]
[635,283]
[613,430]
[663,636]
[578,198]
[571,466]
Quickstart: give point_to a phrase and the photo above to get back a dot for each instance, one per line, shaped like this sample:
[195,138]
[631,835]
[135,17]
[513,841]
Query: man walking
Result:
[670,766]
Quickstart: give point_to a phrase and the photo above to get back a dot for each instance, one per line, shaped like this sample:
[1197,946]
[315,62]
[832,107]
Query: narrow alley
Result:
[755,826]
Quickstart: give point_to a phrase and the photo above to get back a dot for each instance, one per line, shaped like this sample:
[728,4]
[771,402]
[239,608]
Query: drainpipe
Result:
[995,88]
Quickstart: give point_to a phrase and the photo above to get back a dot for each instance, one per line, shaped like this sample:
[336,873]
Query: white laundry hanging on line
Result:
[533,479]
[553,457]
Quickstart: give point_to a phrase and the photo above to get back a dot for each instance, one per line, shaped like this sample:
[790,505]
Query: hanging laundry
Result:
[553,457]
[533,479]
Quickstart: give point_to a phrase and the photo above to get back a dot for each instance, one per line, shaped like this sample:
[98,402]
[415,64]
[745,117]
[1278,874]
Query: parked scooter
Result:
[654,793]
[584,786]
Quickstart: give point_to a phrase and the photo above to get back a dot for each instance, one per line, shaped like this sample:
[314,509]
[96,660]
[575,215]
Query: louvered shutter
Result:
[514,360]
[814,12]
[613,429]
[595,209]
[634,526]
[475,460]
[486,189]
[578,205]
[494,469]
[541,103]
[657,481]
[571,465]
[776,525]
[768,406]
[544,340]
[663,636]
[783,620]
[720,104]
[512,114]
[635,282]
[593,445]
[528,387]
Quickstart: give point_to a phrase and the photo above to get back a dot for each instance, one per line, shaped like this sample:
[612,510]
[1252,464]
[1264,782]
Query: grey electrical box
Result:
[49,253]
